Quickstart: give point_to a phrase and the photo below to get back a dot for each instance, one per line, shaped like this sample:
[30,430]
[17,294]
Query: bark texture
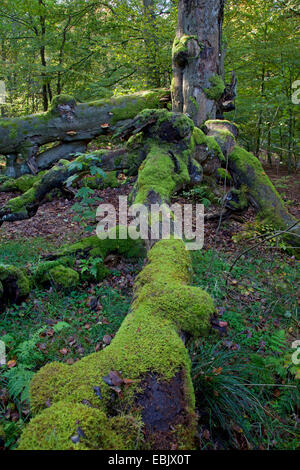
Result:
[73,125]
[197,59]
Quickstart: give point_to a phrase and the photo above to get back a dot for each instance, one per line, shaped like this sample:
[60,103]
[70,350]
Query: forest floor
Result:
[257,320]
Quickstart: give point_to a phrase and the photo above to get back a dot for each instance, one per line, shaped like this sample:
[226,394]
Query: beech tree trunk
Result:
[72,125]
[197,59]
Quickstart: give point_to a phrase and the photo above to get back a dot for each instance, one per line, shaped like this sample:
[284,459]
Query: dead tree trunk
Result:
[71,124]
[150,377]
[197,59]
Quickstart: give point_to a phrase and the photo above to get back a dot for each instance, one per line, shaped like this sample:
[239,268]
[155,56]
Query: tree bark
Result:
[68,122]
[197,59]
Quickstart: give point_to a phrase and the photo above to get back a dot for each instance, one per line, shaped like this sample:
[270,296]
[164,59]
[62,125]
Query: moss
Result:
[130,429]
[61,100]
[147,341]
[55,426]
[18,204]
[180,48]
[239,198]
[9,273]
[223,174]
[190,309]
[41,275]
[251,173]
[217,88]
[110,180]
[62,277]
[125,109]
[199,138]
[194,101]
[22,184]
[164,180]
[218,122]
[93,246]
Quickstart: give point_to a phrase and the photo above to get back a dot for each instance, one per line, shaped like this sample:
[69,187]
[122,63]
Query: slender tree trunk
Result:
[197,59]
[260,118]
[269,152]
[152,68]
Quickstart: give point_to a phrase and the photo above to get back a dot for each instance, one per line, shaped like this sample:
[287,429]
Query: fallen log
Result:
[26,205]
[146,368]
[145,372]
[252,182]
[73,125]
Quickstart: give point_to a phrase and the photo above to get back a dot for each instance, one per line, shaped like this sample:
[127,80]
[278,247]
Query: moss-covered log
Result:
[26,205]
[14,285]
[145,372]
[71,124]
[162,142]
[251,181]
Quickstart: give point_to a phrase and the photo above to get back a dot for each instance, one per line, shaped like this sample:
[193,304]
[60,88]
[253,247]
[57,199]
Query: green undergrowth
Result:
[52,325]
[246,384]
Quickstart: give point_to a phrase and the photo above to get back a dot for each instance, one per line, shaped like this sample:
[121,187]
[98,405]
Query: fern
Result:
[27,353]
[18,380]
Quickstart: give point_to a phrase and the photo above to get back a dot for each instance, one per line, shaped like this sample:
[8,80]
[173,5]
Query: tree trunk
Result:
[150,377]
[197,59]
[71,124]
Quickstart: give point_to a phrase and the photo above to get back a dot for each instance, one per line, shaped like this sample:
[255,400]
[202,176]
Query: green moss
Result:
[125,109]
[93,246]
[61,100]
[190,309]
[180,48]
[110,180]
[224,174]
[147,342]
[217,88]
[63,277]
[240,198]
[22,184]
[42,272]
[194,101]
[164,180]
[55,426]
[252,174]
[8,272]
[19,203]
[199,138]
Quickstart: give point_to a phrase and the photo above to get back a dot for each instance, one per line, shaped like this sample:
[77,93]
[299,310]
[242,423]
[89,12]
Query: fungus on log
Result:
[73,125]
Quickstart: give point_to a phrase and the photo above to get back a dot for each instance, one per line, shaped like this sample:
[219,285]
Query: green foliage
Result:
[201,194]
[260,46]
[18,380]
[89,52]
[255,351]
[221,381]
[85,208]
[257,230]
